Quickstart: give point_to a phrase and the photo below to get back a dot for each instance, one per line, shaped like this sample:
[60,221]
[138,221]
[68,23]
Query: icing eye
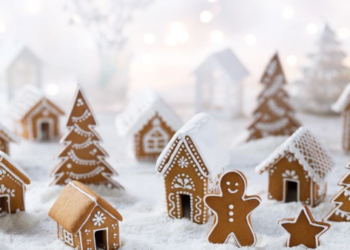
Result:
[228,183]
[236,184]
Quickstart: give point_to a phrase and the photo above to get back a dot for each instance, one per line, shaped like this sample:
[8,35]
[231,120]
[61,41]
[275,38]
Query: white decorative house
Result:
[147,123]
[19,66]
[219,85]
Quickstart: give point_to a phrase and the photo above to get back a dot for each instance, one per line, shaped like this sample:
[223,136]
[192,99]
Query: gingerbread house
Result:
[297,170]
[6,136]
[85,220]
[343,106]
[148,124]
[12,186]
[192,164]
[35,116]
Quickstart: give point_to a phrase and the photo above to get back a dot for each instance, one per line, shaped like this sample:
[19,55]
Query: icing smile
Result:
[232,192]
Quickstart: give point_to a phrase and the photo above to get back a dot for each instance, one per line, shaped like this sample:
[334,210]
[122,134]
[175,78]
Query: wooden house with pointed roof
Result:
[297,170]
[343,106]
[12,186]
[6,137]
[147,124]
[85,220]
[219,84]
[35,116]
[191,164]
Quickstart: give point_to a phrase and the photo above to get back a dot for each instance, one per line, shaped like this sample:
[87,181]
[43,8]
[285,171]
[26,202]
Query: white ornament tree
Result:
[106,20]
[325,78]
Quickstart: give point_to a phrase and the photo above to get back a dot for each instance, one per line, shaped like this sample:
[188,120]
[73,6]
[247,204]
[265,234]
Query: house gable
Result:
[152,138]
[184,142]
[288,170]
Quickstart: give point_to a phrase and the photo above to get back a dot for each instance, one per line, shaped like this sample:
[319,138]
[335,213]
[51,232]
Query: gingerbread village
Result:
[190,159]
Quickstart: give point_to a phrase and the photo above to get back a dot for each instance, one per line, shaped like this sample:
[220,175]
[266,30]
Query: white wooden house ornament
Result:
[219,85]
[147,124]
[343,106]
[19,66]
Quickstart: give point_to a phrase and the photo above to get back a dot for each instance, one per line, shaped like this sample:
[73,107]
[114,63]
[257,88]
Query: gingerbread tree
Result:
[274,116]
[342,201]
[82,157]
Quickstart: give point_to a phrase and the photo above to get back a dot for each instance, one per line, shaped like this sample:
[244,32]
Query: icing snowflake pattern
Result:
[183,163]
[290,174]
[99,219]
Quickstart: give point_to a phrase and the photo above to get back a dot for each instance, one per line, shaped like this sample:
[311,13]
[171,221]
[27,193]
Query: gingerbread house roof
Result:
[202,132]
[26,100]
[343,100]
[314,158]
[9,165]
[75,204]
[142,108]
[8,135]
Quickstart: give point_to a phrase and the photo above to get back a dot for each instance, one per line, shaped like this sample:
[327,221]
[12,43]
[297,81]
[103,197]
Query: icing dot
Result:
[230,220]
[236,184]
[228,183]
[230,206]
[230,213]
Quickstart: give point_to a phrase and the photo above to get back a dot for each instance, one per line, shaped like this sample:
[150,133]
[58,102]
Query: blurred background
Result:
[115,48]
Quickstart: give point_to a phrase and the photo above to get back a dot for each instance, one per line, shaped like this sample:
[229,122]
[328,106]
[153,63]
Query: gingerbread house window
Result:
[156,139]
[68,237]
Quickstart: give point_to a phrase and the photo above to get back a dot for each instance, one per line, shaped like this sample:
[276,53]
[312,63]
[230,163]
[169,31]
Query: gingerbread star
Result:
[304,230]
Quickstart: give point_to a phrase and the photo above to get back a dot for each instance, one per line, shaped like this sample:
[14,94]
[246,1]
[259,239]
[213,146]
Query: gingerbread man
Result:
[232,210]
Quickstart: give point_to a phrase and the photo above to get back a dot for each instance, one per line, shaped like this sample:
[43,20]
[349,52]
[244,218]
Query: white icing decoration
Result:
[5,190]
[183,162]
[99,218]
[198,209]
[290,174]
[183,181]
[83,117]
[172,204]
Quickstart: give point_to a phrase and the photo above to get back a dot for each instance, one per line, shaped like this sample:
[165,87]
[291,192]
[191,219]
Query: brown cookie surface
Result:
[304,230]
[232,210]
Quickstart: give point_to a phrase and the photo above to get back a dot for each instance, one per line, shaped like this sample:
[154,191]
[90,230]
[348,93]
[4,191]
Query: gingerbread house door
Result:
[4,205]
[101,239]
[291,190]
[156,139]
[44,129]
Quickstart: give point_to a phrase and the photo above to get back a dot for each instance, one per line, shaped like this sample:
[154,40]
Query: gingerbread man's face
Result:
[232,183]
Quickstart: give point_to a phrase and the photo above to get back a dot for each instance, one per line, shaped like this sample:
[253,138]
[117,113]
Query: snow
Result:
[142,204]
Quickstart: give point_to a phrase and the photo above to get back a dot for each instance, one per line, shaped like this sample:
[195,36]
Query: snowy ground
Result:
[142,204]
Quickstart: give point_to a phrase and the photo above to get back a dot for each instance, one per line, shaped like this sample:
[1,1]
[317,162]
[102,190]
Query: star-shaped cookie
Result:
[304,230]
